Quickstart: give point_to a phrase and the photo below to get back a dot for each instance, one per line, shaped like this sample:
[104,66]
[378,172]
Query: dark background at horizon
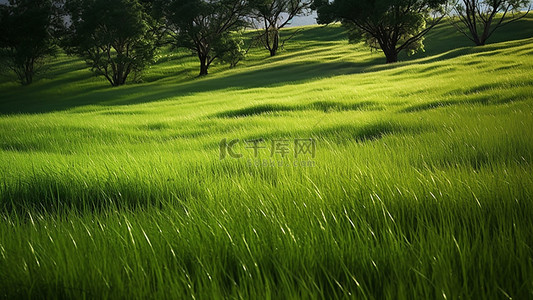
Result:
[309,19]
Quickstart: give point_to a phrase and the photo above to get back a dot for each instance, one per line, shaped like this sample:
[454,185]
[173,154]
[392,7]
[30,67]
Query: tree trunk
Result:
[29,78]
[486,32]
[203,65]
[28,73]
[391,55]
[275,43]
[475,37]
[119,79]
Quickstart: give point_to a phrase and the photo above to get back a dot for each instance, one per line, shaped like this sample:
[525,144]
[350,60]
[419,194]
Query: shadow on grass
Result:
[445,37]
[344,133]
[48,192]
[441,44]
[483,100]
[324,106]
[32,100]
[341,134]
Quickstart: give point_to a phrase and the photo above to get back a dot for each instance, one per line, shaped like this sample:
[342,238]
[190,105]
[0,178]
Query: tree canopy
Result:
[390,25]
[205,27]
[114,37]
[27,30]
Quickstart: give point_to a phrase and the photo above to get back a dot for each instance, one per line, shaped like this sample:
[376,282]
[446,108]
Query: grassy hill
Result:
[420,187]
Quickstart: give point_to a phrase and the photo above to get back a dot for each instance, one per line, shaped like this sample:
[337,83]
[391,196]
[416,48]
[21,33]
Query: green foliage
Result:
[26,36]
[390,25]
[422,185]
[114,37]
[204,27]
[230,48]
[412,24]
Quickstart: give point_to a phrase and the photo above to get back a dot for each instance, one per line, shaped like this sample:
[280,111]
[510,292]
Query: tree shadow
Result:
[31,101]
[79,90]
[445,38]
[323,106]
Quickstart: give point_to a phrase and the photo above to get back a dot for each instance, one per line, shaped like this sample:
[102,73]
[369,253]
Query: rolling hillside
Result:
[420,185]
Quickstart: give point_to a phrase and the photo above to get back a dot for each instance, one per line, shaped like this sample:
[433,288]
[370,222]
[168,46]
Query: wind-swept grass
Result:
[421,185]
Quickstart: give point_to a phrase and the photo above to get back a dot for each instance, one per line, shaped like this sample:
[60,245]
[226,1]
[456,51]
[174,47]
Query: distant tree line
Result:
[119,38]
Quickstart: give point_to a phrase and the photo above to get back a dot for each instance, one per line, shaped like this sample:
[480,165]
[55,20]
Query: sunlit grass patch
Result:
[420,185]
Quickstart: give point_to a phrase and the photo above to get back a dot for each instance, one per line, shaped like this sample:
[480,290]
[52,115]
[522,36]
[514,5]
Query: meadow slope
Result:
[421,184]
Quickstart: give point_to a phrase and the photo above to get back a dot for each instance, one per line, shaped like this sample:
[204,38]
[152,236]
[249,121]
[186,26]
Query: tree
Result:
[273,15]
[27,36]
[204,26]
[390,25]
[114,37]
[231,48]
[478,19]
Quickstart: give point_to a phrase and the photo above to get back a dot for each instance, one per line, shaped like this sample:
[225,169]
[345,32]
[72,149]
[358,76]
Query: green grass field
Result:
[421,186]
